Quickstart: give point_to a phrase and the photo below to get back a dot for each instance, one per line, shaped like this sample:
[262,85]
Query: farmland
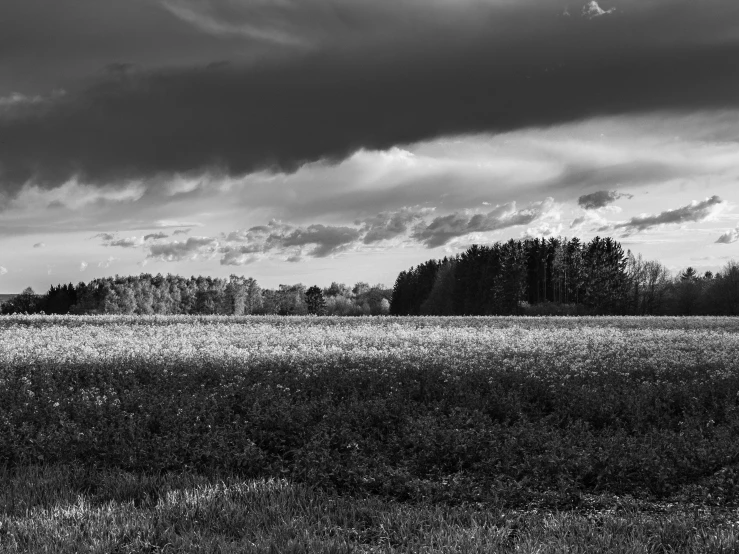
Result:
[393,434]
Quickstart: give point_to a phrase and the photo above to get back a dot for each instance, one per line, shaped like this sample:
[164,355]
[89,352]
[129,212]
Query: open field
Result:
[369,434]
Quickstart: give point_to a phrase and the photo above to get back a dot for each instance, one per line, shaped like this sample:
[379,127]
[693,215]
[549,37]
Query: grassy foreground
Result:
[383,434]
[71,509]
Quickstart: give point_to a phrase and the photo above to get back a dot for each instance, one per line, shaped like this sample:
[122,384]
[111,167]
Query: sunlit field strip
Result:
[718,323]
[551,353]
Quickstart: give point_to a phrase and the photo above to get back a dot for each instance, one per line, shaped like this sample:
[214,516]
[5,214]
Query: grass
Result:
[383,435]
[66,508]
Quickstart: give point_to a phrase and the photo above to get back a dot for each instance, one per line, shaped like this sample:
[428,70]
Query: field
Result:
[269,434]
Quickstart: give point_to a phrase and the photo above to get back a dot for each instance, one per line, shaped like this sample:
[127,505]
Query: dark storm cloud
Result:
[600,199]
[51,45]
[367,75]
[695,211]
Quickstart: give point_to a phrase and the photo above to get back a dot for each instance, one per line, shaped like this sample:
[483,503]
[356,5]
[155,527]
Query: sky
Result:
[311,141]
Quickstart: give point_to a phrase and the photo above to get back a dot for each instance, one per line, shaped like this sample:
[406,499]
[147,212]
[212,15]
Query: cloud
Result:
[281,239]
[732,235]
[106,263]
[600,199]
[545,229]
[238,255]
[592,9]
[437,68]
[181,231]
[445,228]
[453,173]
[191,249]
[166,223]
[389,225]
[327,239]
[109,239]
[73,195]
[128,242]
[105,236]
[591,218]
[3,270]
[83,266]
[16,99]
[407,224]
[259,233]
[577,223]
[39,245]
[695,211]
[206,17]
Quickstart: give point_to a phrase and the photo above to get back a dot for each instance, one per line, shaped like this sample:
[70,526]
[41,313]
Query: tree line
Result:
[147,294]
[556,276]
[560,276]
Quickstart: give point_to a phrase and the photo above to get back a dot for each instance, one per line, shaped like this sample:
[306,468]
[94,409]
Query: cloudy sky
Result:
[319,140]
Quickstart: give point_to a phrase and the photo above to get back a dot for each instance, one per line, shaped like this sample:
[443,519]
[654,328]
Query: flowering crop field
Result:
[506,412]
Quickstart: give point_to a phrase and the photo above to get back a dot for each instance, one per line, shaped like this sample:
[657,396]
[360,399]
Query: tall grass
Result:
[73,509]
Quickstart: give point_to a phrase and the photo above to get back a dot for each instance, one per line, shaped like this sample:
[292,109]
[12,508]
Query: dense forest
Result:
[561,277]
[146,294]
[528,277]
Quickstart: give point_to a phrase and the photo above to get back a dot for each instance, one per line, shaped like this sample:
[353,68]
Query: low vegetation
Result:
[484,433]
[75,509]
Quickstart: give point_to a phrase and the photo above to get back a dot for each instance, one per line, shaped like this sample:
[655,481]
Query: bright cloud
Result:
[108,262]
[730,236]
[74,195]
[128,242]
[592,9]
